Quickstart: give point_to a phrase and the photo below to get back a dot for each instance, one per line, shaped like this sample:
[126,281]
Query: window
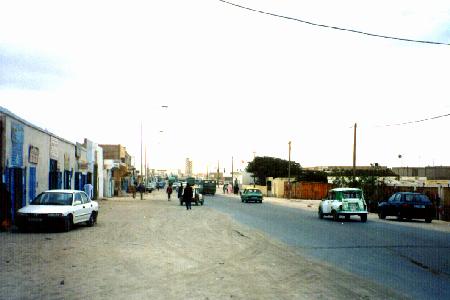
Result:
[392,198]
[78,197]
[398,198]
[84,197]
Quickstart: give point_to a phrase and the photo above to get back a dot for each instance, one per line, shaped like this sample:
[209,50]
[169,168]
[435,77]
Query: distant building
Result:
[188,167]
[121,168]
[430,173]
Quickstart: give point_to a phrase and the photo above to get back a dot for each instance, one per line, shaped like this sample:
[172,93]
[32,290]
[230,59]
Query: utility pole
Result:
[141,149]
[145,164]
[217,174]
[289,172]
[354,153]
[254,183]
[232,170]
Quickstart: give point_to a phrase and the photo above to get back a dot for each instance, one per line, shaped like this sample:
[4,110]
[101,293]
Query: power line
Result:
[416,121]
[335,27]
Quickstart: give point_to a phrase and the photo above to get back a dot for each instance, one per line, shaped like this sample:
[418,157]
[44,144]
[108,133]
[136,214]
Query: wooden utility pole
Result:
[145,163]
[141,151]
[289,172]
[354,153]
[217,174]
[232,170]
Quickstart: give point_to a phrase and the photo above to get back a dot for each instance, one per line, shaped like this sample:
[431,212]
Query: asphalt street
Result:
[413,260]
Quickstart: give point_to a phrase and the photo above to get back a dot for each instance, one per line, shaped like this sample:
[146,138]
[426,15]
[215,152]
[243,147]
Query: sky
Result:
[211,81]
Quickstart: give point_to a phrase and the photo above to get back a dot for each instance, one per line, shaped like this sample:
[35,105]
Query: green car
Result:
[252,194]
[344,202]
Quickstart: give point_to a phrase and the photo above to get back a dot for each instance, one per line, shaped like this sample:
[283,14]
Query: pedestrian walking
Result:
[141,189]
[187,196]
[224,188]
[180,191]
[169,192]
[132,189]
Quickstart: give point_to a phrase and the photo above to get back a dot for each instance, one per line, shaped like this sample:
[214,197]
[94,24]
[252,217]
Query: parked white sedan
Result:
[62,208]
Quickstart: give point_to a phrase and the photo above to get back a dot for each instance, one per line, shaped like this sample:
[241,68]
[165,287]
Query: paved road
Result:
[414,260]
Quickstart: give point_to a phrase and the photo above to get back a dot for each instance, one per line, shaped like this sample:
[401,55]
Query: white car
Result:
[62,208]
[344,202]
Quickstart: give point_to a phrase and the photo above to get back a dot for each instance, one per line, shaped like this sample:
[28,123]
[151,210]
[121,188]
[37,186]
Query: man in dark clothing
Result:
[141,189]
[187,196]
[180,191]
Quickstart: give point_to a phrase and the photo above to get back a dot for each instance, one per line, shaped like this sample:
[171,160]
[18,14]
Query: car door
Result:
[395,205]
[87,206]
[326,204]
[388,210]
[78,209]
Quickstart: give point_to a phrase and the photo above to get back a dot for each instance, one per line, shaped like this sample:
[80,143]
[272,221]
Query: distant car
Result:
[197,196]
[407,205]
[151,185]
[344,202]
[252,194]
[60,208]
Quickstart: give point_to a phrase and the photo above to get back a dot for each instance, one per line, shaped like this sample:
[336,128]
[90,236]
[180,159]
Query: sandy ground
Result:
[155,249]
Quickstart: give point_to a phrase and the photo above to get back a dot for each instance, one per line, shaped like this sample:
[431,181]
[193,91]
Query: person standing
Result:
[169,192]
[187,196]
[141,189]
[88,189]
[180,191]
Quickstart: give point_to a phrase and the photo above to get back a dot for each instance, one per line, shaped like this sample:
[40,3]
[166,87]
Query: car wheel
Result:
[335,215]
[68,222]
[347,217]
[399,216]
[201,202]
[428,220]
[381,215]
[320,213]
[91,220]
[242,200]
[364,218]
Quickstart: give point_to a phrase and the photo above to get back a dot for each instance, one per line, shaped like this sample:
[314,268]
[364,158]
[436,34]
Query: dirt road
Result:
[155,249]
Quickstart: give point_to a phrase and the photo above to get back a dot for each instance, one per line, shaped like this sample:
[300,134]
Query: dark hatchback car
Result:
[407,205]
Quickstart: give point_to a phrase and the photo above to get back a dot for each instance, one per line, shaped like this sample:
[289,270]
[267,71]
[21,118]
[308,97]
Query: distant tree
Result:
[313,176]
[263,167]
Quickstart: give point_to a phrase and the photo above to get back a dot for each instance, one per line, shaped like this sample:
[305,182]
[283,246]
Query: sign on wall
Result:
[33,154]
[53,148]
[17,136]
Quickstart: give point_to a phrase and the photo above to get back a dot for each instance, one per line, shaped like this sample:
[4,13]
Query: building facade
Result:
[32,160]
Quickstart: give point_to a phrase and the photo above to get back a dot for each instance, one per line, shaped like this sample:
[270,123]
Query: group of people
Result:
[186,195]
[137,188]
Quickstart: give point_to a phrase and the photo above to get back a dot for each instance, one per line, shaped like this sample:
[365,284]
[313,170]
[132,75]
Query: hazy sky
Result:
[235,81]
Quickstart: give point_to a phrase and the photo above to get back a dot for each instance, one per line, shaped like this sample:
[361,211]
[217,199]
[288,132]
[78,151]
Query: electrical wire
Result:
[416,121]
[335,27]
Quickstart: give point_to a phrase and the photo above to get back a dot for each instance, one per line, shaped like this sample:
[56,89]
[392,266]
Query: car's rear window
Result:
[417,198]
[351,195]
[254,191]
[53,199]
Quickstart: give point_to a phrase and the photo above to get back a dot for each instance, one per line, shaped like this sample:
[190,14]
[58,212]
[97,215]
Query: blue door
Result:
[32,184]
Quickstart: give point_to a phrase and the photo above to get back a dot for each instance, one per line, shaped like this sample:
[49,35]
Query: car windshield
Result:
[351,194]
[417,198]
[254,191]
[53,199]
